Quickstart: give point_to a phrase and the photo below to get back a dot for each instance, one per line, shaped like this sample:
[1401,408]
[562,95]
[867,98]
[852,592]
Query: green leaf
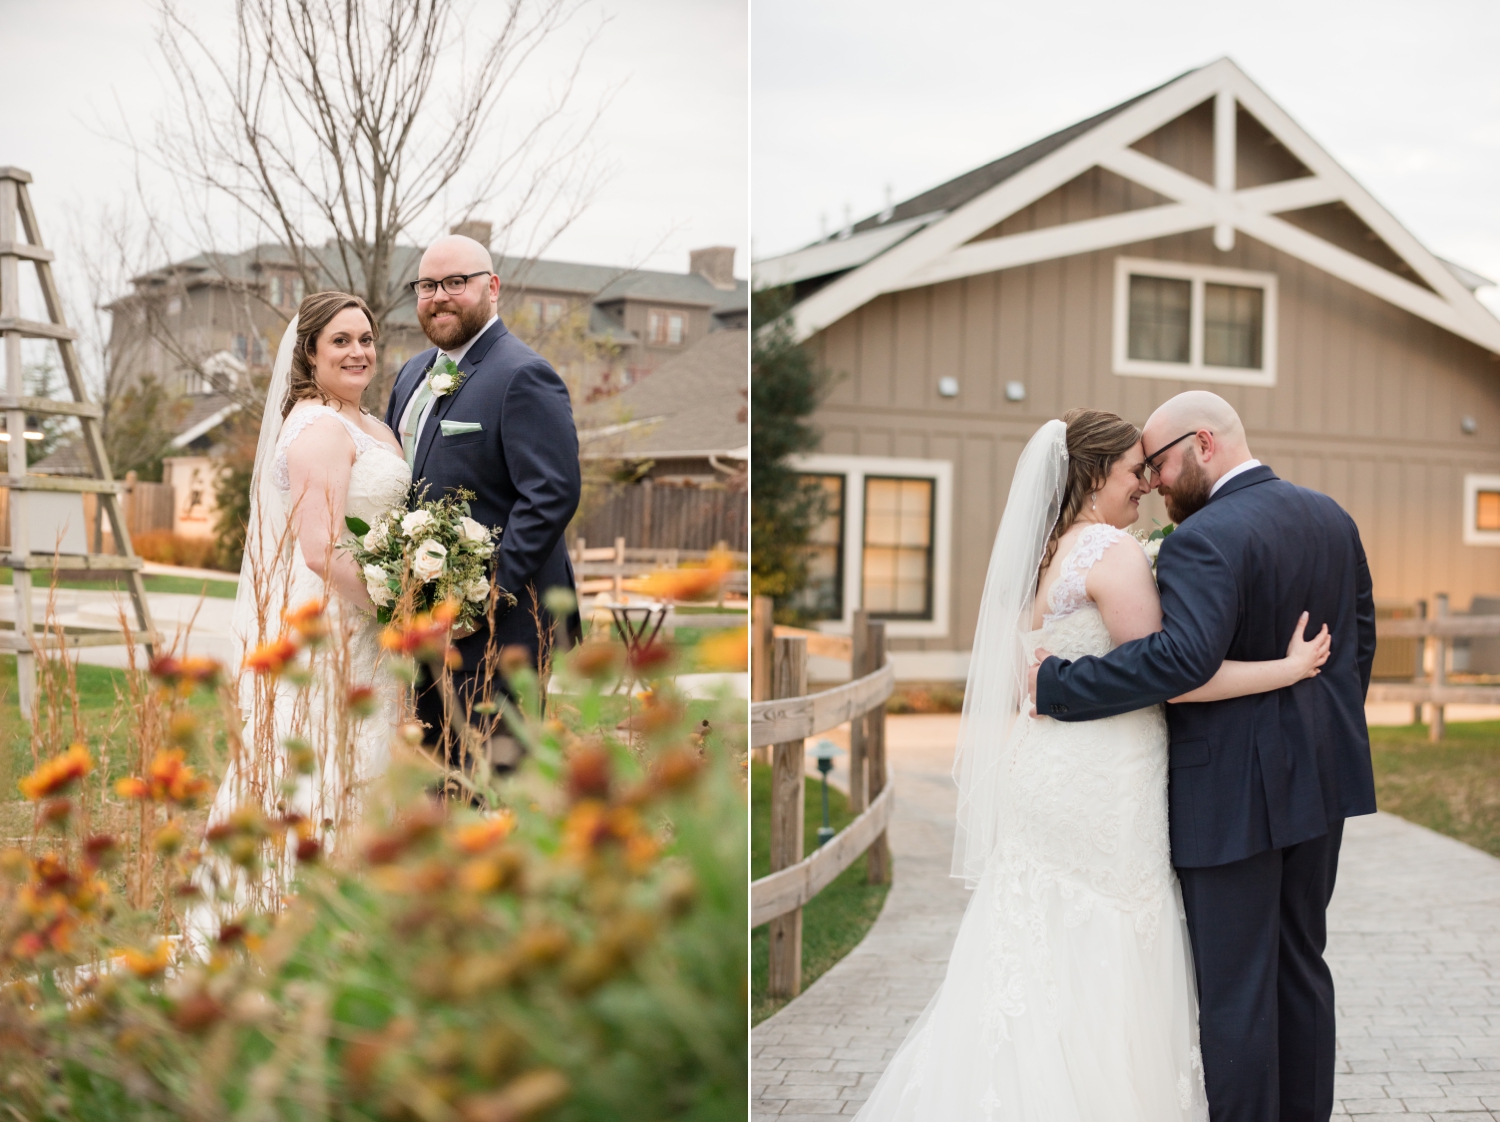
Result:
[357,525]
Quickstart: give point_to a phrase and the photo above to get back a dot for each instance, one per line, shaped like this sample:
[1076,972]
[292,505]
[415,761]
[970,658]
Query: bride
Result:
[305,752]
[1069,995]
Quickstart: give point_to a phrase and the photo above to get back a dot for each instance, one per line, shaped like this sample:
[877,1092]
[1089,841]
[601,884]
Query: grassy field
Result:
[1452,787]
[836,919]
[190,586]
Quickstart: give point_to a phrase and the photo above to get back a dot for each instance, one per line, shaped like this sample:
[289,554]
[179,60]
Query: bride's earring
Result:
[1093,504]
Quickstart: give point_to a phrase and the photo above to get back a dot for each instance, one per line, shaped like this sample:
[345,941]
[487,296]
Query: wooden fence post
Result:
[762,629]
[787,802]
[1439,668]
[880,850]
[1421,670]
[859,666]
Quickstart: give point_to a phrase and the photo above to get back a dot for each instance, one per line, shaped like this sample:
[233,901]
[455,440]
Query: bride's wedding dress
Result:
[339,752]
[1069,996]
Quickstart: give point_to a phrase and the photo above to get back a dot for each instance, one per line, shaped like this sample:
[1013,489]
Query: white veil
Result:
[261,595]
[996,688]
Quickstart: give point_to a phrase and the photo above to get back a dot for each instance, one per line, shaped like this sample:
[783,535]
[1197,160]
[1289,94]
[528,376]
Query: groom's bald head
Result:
[1194,411]
[454,254]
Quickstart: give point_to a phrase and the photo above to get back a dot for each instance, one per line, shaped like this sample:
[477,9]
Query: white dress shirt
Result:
[457,355]
[1238,469]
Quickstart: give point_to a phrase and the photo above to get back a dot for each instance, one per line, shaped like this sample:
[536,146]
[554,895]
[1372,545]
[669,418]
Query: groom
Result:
[505,432]
[1259,786]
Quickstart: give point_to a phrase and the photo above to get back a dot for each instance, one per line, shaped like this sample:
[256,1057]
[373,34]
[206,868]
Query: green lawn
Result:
[191,586]
[835,920]
[1452,787]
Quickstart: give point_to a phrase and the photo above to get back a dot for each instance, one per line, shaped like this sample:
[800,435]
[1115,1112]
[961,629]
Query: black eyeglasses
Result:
[1151,468]
[426,289]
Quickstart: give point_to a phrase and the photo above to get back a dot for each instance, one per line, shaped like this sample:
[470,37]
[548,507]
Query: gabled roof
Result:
[936,235]
[692,405]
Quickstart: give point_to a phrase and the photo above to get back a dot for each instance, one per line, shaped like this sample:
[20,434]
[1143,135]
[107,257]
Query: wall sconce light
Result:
[1469,425]
[1015,391]
[947,387]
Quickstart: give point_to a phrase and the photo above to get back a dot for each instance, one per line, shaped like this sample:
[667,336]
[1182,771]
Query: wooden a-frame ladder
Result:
[24,557]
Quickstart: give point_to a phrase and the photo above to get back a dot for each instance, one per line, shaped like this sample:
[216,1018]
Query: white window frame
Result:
[1194,369]
[854,469]
[1473,484]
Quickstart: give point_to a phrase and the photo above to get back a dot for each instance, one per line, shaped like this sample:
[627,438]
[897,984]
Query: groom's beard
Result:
[1190,493]
[457,331]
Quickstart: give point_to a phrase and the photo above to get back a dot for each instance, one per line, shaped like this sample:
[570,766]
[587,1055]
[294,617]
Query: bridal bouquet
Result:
[1152,542]
[434,550]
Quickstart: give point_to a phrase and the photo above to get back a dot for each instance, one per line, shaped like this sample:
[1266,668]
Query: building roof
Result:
[948,233]
[597,283]
[692,405]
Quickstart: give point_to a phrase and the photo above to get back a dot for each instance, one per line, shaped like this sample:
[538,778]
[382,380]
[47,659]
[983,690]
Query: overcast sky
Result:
[851,95]
[675,131]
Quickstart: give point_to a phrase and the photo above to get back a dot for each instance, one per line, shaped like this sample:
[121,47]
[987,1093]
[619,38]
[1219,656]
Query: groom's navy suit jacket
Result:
[522,466]
[1269,770]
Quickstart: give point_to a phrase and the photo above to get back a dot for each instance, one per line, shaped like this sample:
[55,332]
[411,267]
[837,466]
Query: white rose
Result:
[474,531]
[478,588]
[415,522]
[440,384]
[377,539]
[430,560]
[375,584]
[1152,548]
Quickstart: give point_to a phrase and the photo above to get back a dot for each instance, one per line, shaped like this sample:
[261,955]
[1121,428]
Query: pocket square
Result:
[458,428]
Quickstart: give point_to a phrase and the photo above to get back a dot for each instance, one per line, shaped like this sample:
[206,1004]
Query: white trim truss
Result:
[1195,369]
[944,249]
[855,469]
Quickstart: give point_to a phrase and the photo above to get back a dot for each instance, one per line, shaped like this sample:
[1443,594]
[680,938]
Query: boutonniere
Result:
[444,377]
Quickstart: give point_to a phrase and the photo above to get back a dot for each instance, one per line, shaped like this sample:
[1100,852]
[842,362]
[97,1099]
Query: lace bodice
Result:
[378,480]
[1068,592]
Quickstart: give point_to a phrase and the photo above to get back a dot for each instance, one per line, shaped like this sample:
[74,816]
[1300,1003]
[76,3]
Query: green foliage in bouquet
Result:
[576,951]
[434,553]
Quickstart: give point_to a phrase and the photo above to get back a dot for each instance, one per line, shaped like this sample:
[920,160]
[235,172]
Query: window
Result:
[297,292]
[665,329]
[1482,510]
[545,312]
[275,290]
[1194,322]
[898,548]
[822,597]
[241,347]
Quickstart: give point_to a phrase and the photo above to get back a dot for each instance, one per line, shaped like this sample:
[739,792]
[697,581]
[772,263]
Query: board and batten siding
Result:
[1366,408]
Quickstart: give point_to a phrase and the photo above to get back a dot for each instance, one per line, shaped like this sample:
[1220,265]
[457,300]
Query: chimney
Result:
[481,232]
[714,264]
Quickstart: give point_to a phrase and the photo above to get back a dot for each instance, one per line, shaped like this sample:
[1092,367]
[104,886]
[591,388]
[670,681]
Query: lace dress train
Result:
[1069,995]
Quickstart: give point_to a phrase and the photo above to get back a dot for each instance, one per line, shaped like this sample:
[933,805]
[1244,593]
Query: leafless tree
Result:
[345,129]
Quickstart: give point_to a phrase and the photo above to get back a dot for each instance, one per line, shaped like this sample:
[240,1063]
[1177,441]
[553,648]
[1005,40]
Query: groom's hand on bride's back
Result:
[1042,655]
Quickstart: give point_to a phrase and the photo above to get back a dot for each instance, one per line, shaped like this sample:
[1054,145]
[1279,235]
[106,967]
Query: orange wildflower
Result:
[307,620]
[699,583]
[596,660]
[272,657]
[133,788]
[149,965]
[725,650]
[58,773]
[363,701]
[185,673]
[480,836]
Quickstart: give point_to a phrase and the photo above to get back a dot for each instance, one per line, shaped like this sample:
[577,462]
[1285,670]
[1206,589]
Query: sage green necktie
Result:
[414,423]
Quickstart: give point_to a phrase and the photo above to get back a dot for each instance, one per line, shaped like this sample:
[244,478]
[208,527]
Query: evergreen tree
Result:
[785,389]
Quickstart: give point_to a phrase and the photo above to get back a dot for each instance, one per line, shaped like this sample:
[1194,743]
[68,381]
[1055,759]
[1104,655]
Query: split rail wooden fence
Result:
[783,722]
[1438,630]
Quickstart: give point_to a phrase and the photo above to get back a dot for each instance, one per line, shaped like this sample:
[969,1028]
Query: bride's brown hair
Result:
[313,315]
[1096,440]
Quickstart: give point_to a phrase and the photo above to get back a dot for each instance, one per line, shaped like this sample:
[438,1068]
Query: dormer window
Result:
[286,291]
[666,329]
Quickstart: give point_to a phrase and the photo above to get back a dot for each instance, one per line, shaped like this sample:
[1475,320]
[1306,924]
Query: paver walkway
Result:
[1414,943]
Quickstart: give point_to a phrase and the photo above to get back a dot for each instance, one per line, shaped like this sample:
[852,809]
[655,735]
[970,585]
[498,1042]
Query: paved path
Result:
[1414,942]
